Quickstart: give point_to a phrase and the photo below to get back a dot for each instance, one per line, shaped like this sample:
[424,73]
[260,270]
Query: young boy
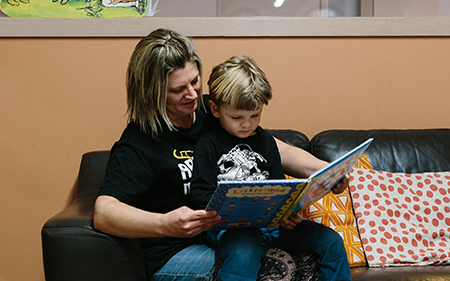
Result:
[238,149]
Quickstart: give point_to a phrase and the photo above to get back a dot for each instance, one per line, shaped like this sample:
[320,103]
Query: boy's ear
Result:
[214,109]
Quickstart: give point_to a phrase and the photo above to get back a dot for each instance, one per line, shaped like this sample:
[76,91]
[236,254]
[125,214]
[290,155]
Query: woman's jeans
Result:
[198,262]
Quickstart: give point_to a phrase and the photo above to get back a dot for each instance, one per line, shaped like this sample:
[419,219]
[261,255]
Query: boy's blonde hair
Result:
[240,83]
[154,58]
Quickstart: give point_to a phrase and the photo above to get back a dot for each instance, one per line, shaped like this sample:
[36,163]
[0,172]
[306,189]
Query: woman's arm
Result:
[297,162]
[116,218]
[301,164]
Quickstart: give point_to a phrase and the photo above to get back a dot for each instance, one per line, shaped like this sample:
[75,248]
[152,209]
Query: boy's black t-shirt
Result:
[222,156]
[154,175]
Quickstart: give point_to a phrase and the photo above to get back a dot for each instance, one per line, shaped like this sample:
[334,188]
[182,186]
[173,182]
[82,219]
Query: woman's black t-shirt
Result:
[154,175]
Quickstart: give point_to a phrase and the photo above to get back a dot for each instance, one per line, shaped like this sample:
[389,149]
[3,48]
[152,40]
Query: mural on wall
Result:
[78,8]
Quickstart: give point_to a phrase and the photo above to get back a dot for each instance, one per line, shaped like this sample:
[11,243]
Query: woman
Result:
[146,187]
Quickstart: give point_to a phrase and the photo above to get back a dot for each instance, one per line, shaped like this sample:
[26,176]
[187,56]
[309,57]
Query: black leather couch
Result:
[74,250]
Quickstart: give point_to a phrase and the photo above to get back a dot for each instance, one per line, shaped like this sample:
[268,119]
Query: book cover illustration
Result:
[254,203]
[268,203]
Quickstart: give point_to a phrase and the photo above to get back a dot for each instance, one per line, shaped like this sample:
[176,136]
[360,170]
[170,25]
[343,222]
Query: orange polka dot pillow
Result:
[403,219]
[335,211]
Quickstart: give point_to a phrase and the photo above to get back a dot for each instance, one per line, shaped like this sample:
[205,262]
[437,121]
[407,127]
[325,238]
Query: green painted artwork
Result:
[78,8]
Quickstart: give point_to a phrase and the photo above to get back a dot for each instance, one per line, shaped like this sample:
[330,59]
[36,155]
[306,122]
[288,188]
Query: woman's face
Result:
[182,93]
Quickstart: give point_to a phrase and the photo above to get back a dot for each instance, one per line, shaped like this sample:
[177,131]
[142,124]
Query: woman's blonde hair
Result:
[240,83]
[153,59]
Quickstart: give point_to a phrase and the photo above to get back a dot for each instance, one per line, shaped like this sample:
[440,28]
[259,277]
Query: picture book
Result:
[268,203]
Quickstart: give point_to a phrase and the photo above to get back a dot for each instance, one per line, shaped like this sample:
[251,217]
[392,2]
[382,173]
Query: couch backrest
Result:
[408,151]
[292,137]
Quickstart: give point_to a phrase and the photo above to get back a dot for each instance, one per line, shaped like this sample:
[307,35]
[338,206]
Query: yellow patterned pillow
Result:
[336,212]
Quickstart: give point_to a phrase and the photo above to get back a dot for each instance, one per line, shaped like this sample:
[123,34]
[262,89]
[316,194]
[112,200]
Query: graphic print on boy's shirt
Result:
[241,163]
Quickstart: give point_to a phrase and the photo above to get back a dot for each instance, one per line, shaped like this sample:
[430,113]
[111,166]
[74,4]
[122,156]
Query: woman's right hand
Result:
[116,218]
[185,222]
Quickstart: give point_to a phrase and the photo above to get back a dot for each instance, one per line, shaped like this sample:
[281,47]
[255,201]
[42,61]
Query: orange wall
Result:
[61,97]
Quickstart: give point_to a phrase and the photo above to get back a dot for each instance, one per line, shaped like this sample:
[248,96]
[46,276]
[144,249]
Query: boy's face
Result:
[239,123]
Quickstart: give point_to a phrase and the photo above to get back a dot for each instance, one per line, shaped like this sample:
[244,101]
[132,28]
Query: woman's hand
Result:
[116,218]
[185,222]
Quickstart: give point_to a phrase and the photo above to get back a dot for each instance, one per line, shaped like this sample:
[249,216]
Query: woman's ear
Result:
[214,109]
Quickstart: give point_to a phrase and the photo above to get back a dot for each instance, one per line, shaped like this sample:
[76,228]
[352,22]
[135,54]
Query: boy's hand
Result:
[292,222]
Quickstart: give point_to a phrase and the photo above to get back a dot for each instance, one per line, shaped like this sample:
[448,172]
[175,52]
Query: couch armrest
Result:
[73,250]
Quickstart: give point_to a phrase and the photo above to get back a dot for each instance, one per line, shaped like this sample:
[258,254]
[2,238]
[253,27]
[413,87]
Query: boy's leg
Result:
[194,263]
[241,251]
[312,237]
